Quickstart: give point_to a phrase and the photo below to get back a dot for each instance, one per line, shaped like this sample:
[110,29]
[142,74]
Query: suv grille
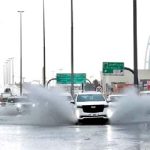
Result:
[93,108]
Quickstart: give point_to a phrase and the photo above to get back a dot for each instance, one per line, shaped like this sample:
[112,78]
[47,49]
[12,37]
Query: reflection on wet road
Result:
[74,137]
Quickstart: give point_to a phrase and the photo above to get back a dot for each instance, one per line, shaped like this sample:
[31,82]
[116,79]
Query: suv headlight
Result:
[109,113]
[77,113]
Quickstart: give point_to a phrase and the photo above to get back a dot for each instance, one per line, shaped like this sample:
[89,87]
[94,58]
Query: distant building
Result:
[116,83]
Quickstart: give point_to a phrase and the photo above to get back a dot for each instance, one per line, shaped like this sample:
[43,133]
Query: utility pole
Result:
[44,53]
[135,56]
[72,52]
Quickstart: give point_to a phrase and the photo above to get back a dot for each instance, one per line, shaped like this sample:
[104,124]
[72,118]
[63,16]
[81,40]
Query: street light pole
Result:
[11,70]
[44,53]
[6,73]
[72,52]
[20,12]
[135,57]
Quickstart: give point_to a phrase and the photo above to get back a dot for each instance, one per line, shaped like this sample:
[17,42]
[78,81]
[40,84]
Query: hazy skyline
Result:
[103,32]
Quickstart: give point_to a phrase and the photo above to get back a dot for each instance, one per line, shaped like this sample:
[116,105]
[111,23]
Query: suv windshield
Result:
[90,97]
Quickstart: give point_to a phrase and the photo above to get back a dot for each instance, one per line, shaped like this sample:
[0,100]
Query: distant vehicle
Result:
[142,93]
[113,101]
[3,98]
[114,97]
[90,105]
[7,90]
[21,103]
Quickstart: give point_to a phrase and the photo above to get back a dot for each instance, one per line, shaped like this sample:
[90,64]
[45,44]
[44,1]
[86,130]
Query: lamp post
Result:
[72,52]
[135,43]
[5,74]
[9,71]
[20,12]
[12,69]
[44,53]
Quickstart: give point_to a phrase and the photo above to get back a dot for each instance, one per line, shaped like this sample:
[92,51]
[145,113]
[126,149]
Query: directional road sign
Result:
[65,78]
[113,68]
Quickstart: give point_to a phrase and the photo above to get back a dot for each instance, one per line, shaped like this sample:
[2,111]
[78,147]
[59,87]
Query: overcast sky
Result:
[103,32]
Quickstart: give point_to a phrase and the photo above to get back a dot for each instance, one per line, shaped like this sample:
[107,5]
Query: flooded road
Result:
[51,126]
[75,137]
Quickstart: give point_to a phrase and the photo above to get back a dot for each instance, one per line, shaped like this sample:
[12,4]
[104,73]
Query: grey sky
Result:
[103,31]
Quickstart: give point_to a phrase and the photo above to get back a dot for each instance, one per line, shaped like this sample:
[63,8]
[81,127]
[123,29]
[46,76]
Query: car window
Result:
[90,97]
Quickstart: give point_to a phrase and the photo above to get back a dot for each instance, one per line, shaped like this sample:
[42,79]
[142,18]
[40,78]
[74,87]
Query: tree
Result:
[95,83]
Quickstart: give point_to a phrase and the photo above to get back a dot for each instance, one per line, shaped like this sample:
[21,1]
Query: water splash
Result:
[53,108]
[50,108]
[132,108]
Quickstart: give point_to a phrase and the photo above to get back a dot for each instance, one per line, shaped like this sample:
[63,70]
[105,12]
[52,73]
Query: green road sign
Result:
[65,78]
[113,68]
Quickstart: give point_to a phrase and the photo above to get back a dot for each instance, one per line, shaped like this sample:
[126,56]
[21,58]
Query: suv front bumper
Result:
[82,115]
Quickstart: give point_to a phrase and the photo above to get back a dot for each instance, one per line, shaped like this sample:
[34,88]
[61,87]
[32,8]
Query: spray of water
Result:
[132,108]
[51,108]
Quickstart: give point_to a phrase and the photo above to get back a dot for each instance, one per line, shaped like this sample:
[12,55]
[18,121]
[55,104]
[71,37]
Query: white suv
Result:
[90,105]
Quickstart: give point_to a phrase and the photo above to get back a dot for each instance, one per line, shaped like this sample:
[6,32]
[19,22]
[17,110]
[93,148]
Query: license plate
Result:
[93,107]
[93,115]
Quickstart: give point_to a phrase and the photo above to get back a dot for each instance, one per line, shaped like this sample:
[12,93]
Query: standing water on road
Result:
[132,108]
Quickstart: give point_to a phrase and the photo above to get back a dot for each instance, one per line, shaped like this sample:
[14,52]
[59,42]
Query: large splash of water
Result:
[51,108]
[54,109]
[132,108]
